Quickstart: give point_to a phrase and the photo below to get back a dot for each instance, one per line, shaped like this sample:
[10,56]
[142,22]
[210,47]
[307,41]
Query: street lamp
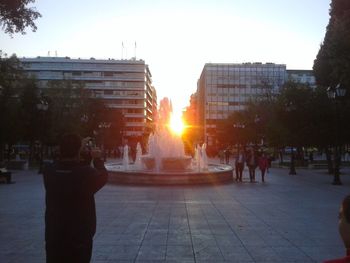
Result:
[257,121]
[103,126]
[240,127]
[290,107]
[42,107]
[335,94]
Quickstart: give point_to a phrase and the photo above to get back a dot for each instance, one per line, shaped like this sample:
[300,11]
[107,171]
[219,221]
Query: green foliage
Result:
[299,116]
[332,64]
[10,79]
[69,109]
[29,114]
[16,16]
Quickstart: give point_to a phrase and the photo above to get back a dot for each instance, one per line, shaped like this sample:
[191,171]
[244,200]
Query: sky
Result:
[177,38]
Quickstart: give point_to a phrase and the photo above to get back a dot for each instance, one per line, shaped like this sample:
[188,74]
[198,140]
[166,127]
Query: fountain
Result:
[165,162]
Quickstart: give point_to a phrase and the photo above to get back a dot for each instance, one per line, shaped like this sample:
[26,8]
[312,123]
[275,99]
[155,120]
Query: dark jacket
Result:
[252,160]
[70,215]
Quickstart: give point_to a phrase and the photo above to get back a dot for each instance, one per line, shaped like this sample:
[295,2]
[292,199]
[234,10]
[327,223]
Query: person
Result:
[221,156]
[263,165]
[344,230]
[239,165]
[70,216]
[252,163]
[227,155]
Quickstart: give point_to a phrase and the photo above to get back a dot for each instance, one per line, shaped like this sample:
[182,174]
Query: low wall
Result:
[211,177]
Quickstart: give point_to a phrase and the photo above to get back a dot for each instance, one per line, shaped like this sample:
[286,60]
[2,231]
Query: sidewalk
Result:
[287,219]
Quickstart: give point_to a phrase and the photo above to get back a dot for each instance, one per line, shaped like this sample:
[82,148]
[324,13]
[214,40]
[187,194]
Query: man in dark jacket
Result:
[344,230]
[70,216]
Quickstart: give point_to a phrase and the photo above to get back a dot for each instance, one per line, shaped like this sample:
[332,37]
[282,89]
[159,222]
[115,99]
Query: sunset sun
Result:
[176,125]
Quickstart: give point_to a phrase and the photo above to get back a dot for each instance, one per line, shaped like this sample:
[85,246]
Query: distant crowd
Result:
[251,158]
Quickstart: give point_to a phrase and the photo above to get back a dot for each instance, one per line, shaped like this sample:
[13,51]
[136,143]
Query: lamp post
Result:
[335,94]
[290,107]
[42,107]
[103,126]
[239,127]
[257,121]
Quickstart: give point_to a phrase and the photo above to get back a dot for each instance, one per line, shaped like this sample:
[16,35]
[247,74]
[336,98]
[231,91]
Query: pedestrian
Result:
[221,156]
[263,165]
[70,216]
[311,156]
[344,230]
[252,163]
[227,155]
[239,165]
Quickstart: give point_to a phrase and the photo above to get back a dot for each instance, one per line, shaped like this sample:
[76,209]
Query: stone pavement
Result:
[286,219]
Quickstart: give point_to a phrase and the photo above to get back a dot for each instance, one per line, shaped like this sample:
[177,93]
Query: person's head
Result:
[344,221]
[70,146]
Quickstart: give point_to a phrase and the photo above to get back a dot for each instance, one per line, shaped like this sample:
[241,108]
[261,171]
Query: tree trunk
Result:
[329,161]
[280,153]
[2,152]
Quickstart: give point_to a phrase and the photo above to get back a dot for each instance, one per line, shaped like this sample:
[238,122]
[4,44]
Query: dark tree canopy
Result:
[332,64]
[16,16]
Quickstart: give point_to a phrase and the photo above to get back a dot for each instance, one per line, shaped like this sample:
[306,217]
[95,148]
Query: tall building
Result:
[125,85]
[302,76]
[225,88]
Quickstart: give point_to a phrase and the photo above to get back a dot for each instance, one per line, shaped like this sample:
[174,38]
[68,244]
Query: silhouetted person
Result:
[263,165]
[70,217]
[239,165]
[227,156]
[252,163]
[344,230]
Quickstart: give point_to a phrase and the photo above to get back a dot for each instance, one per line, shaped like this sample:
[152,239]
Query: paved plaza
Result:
[287,219]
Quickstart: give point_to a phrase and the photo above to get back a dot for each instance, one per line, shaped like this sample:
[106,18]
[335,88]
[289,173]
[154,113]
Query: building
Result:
[124,85]
[225,88]
[302,76]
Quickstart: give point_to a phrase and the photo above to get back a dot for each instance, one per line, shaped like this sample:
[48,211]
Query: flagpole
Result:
[135,51]
[122,49]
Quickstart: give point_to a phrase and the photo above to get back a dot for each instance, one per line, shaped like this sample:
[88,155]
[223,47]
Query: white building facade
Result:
[124,85]
[302,76]
[225,88]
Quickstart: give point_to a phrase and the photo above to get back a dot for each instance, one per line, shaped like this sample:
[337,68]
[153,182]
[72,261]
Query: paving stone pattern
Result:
[287,219]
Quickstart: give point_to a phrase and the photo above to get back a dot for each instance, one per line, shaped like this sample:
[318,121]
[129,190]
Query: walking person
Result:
[252,163]
[263,165]
[239,165]
[70,216]
[227,155]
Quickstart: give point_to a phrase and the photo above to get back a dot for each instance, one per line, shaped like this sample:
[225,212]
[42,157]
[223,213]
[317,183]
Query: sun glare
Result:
[176,124]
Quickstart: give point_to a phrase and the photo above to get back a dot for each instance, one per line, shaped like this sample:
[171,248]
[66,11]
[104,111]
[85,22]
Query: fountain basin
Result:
[167,163]
[215,174]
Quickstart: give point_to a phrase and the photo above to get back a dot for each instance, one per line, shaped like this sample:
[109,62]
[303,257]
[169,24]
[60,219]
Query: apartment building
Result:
[124,85]
[225,88]
[302,76]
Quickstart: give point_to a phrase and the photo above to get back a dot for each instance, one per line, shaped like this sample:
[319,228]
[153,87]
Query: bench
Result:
[5,175]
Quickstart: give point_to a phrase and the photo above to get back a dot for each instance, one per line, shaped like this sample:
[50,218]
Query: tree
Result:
[29,114]
[332,64]
[191,133]
[10,79]
[16,16]
[66,103]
